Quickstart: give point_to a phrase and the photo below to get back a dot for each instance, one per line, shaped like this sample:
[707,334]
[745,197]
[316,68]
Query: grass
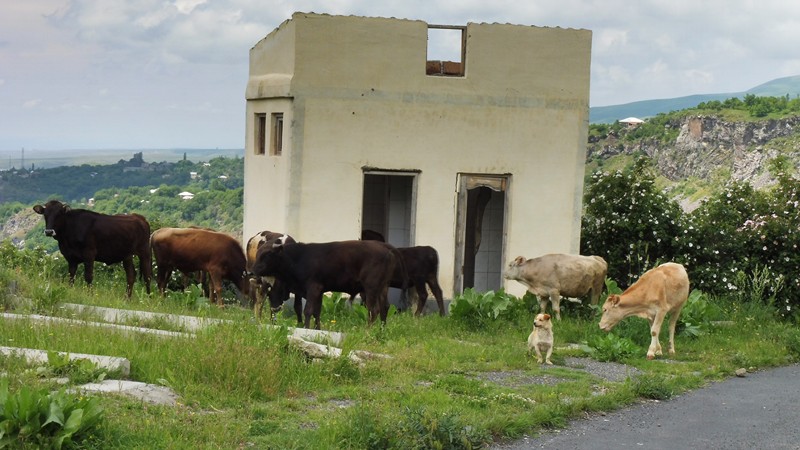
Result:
[241,385]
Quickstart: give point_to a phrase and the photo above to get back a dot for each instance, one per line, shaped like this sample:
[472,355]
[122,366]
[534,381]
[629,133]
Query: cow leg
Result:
[298,308]
[215,288]
[673,321]
[130,274]
[88,271]
[655,328]
[437,294]
[422,296]
[162,275]
[555,302]
[146,270]
[73,268]
[313,306]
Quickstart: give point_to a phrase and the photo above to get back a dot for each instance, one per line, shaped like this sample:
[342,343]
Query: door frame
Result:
[465,182]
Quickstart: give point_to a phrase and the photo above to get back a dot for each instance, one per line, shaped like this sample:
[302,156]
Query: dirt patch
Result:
[517,378]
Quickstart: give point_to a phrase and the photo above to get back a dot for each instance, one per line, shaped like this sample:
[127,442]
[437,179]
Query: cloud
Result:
[30,104]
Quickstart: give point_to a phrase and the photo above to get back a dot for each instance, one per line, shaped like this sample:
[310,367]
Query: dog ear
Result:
[546,317]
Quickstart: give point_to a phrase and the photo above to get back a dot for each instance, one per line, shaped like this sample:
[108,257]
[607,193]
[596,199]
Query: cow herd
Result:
[273,266]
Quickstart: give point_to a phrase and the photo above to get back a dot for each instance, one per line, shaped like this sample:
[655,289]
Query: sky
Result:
[149,74]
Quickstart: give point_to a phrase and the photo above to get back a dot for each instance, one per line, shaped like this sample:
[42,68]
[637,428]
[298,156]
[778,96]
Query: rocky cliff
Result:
[708,145]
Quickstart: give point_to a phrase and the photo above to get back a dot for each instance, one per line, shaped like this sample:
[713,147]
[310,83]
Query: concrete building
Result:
[351,127]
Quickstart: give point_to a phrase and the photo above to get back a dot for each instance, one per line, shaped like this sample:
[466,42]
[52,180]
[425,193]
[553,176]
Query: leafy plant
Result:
[78,370]
[697,315]
[610,348]
[421,428]
[477,309]
[44,419]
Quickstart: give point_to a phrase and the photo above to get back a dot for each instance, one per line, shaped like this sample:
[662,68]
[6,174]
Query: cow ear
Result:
[519,260]
[614,299]
[67,208]
[39,209]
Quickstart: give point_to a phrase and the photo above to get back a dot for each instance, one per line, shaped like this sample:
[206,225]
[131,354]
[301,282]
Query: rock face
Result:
[706,144]
[18,226]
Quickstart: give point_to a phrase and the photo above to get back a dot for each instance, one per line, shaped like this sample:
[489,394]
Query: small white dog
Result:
[541,338]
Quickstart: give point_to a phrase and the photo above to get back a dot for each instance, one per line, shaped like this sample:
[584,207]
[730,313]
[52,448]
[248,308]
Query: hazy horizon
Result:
[48,159]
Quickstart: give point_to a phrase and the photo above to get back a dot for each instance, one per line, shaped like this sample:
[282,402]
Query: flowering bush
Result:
[738,239]
[629,222]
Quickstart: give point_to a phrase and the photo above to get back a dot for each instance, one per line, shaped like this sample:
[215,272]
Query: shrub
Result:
[697,315]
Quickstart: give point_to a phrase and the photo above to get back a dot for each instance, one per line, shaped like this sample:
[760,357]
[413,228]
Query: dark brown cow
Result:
[348,266]
[260,287]
[422,266]
[196,249]
[86,236]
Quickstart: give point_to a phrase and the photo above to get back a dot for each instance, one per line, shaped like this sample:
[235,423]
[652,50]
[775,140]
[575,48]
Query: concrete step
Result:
[110,363]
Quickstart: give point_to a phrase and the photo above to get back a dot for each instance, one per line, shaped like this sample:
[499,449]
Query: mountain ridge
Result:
[647,108]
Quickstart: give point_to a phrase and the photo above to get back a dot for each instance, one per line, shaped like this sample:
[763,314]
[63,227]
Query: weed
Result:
[654,386]
[422,428]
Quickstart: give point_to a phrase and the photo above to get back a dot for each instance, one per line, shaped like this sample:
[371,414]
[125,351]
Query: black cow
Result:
[260,287]
[86,236]
[347,266]
[422,266]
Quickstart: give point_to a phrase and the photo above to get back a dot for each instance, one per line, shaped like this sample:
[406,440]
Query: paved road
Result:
[760,411]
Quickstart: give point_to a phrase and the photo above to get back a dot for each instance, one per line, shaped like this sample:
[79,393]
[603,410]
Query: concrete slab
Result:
[123,328]
[192,323]
[150,393]
[114,315]
[111,363]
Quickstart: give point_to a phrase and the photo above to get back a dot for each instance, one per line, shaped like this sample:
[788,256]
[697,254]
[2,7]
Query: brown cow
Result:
[658,292]
[196,249]
[552,276]
[348,266]
[86,236]
[260,287]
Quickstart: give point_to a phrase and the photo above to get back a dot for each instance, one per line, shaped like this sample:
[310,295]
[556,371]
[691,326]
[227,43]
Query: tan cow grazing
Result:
[659,291]
[552,276]
[196,249]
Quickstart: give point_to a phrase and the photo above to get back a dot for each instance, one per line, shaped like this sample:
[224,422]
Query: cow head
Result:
[268,261]
[512,272]
[53,212]
[612,313]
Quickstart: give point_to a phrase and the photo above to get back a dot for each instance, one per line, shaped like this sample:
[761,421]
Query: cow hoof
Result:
[548,363]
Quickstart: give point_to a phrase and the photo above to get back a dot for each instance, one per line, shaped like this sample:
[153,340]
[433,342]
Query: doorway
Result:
[480,232]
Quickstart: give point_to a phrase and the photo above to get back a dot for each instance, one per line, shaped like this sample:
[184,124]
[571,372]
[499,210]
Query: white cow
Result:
[552,276]
[659,291]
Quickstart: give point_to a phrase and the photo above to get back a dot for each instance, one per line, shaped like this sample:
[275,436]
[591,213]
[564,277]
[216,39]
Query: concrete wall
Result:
[356,95]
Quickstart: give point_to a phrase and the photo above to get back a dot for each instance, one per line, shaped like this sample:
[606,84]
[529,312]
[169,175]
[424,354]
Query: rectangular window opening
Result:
[446,51]
[261,131]
[276,145]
